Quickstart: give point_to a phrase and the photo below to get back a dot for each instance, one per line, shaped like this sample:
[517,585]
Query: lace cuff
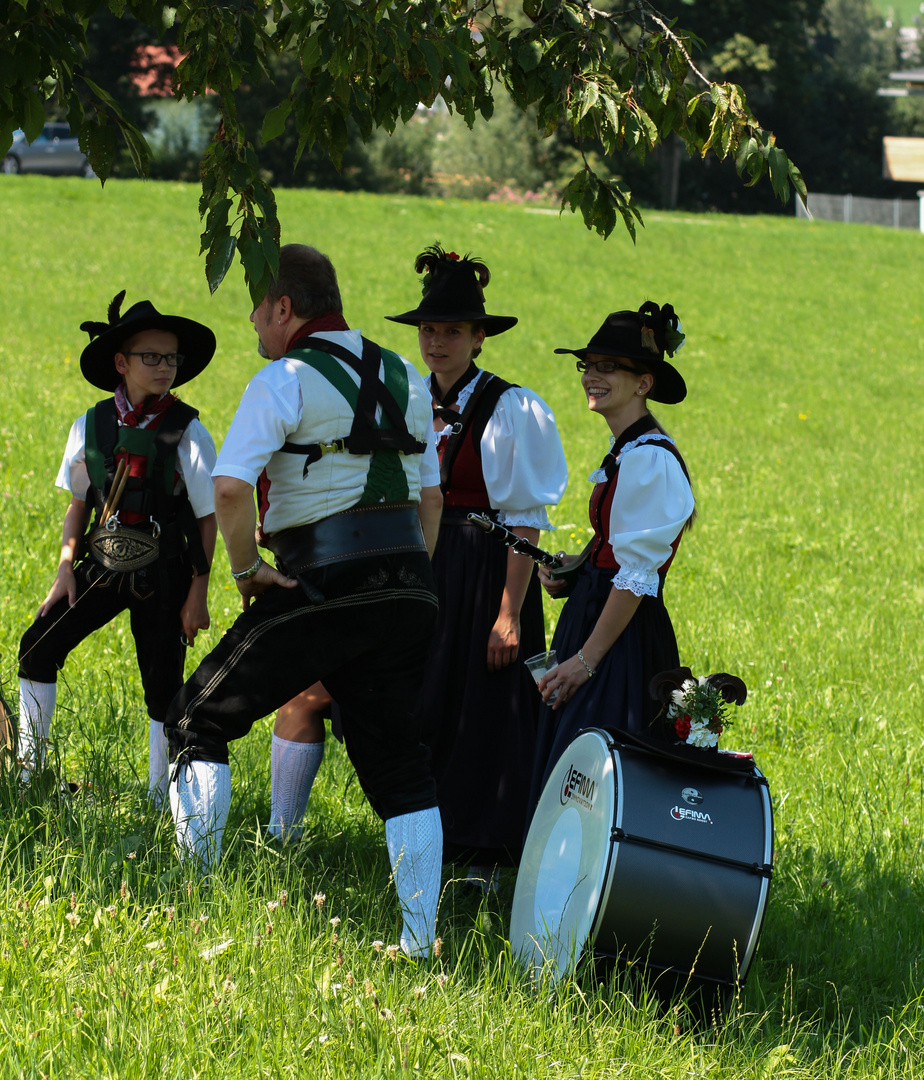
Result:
[534,518]
[637,582]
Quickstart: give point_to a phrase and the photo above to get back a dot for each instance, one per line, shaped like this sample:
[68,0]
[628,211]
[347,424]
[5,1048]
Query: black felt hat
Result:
[644,336]
[97,361]
[453,291]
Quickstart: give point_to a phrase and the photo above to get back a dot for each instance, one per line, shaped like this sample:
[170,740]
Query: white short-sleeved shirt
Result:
[195,459]
[522,459]
[288,401]
[652,503]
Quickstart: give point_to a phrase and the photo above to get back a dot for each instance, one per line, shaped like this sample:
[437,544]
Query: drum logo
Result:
[691,795]
[681,813]
[577,787]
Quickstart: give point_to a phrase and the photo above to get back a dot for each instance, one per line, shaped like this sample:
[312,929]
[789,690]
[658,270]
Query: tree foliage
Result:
[623,78]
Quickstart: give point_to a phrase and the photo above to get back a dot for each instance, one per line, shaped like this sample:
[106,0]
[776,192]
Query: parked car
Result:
[55,151]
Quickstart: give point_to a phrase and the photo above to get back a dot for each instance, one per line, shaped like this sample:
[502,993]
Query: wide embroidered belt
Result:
[362,531]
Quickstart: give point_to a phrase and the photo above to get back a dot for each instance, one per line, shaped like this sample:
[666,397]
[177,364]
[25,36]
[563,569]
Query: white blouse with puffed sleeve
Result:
[522,459]
[652,503]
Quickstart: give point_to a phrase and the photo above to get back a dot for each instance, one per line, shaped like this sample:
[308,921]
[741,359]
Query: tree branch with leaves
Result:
[624,78]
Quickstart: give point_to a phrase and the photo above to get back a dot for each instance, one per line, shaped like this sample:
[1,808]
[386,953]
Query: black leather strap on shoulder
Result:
[365,434]
[667,445]
[473,418]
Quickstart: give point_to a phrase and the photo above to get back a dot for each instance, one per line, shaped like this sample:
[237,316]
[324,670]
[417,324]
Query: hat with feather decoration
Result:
[195,342]
[453,291]
[643,336]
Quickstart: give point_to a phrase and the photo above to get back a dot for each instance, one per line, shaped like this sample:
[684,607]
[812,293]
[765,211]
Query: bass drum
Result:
[641,856]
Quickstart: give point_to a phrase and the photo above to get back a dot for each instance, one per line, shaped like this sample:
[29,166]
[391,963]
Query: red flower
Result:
[682,726]
[453,255]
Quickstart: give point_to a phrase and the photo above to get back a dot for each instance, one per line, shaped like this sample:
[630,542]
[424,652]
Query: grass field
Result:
[902,12]
[803,575]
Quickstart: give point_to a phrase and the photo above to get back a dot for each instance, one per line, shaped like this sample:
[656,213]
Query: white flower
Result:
[216,950]
[700,735]
[677,698]
[688,685]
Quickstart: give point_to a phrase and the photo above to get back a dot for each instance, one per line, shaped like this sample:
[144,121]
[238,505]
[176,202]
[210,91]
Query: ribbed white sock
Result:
[200,799]
[415,848]
[36,704]
[293,767]
[158,765]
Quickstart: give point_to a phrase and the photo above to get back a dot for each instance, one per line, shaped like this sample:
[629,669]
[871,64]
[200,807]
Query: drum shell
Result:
[688,877]
[682,883]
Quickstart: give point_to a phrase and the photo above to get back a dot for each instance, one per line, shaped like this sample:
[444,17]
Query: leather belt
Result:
[362,531]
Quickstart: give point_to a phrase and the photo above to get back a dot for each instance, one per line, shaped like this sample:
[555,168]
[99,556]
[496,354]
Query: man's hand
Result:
[265,578]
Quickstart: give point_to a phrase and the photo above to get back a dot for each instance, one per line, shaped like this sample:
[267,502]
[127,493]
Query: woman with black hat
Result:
[142,461]
[614,632]
[500,454]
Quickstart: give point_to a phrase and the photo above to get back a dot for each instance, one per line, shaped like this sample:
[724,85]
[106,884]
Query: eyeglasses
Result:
[604,367]
[152,359]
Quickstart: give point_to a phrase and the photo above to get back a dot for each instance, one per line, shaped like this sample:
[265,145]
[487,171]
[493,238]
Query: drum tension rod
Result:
[763,869]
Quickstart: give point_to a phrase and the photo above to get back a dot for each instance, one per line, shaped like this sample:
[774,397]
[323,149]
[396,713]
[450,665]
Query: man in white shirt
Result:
[333,436]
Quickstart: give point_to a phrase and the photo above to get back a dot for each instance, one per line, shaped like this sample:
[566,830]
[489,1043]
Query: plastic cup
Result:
[540,664]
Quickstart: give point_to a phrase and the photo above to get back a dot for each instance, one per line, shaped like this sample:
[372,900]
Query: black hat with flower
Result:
[453,291]
[643,336]
[696,710]
[195,342]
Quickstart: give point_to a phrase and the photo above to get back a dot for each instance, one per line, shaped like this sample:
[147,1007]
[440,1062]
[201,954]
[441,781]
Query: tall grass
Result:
[803,575]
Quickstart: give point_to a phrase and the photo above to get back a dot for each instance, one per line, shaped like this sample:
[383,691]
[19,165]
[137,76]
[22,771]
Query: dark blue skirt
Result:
[480,725]
[617,696]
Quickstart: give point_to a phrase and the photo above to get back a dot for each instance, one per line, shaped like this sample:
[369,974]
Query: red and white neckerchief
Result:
[140,415]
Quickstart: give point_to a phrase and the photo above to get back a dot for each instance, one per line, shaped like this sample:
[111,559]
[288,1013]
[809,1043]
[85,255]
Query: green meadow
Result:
[803,575]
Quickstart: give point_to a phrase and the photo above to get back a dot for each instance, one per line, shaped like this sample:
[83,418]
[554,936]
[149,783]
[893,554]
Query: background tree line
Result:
[810,68]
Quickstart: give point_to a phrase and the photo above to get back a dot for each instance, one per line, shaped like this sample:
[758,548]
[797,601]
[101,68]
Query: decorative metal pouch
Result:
[123,549]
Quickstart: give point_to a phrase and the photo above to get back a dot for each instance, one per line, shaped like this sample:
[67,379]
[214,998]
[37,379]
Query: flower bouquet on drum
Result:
[697,711]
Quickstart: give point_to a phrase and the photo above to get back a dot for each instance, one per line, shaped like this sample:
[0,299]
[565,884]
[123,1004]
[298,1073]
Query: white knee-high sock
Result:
[36,704]
[415,848]
[158,765]
[293,767]
[200,799]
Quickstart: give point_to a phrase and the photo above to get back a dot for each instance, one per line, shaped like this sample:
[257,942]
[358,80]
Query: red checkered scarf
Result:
[143,413]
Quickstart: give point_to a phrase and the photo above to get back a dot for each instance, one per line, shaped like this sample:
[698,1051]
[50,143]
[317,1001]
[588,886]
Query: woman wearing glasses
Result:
[614,632]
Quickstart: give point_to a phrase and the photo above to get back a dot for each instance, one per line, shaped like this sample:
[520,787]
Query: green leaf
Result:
[797,182]
[530,53]
[587,98]
[104,96]
[311,53]
[779,172]
[33,117]
[274,122]
[137,147]
[746,148]
[218,261]
[98,142]
[252,255]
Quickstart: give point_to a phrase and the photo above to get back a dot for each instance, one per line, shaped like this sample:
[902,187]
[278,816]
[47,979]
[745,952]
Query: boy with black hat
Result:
[142,461]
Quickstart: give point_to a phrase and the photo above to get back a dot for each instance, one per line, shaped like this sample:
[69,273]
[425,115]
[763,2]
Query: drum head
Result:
[565,859]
